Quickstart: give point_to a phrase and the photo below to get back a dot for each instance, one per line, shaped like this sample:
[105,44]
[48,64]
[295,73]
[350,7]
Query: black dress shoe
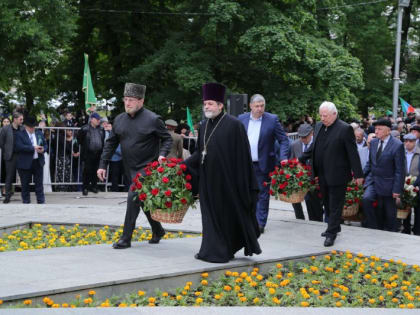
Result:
[261,229]
[323,234]
[94,190]
[6,199]
[329,241]
[121,244]
[156,237]
[85,192]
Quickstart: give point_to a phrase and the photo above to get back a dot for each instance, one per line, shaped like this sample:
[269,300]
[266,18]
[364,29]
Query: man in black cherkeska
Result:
[228,188]
[143,138]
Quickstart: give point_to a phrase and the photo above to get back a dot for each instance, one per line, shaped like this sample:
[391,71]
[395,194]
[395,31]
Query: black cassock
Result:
[227,188]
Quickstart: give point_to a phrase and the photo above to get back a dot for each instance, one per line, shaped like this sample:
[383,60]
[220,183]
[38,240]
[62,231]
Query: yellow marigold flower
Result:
[65,305]
[228,273]
[165,294]
[253,284]
[240,294]
[381,298]
[337,271]
[402,306]
[386,265]
[404,288]
[178,297]
[227,288]
[350,276]
[141,293]
[187,287]
[336,294]
[367,276]
[92,292]
[279,276]
[184,292]
[256,300]
[410,305]
[122,305]
[27,302]
[45,300]
[374,281]
[249,279]
[152,300]
[198,293]
[360,255]
[327,257]
[243,275]
[217,297]
[285,282]
[243,299]
[87,301]
[316,292]
[237,288]
[371,301]
[55,305]
[256,269]
[276,300]
[338,304]
[279,266]
[204,282]
[314,269]
[272,291]
[290,274]
[133,305]
[304,270]
[235,274]
[254,273]
[205,274]
[304,304]
[198,300]
[313,257]
[260,277]
[395,300]
[389,293]
[320,297]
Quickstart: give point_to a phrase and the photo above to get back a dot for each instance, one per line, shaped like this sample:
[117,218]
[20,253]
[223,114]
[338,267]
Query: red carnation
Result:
[349,202]
[155,164]
[188,186]
[173,160]
[356,188]
[281,172]
[168,193]
[148,173]
[348,188]
[183,167]
[408,181]
[265,184]
[300,184]
[133,188]
[283,163]
[142,196]
[271,192]
[165,180]
[139,185]
[154,191]
[273,182]
[287,176]
[188,177]
[179,172]
[171,165]
[183,201]
[356,200]
[168,204]
[160,169]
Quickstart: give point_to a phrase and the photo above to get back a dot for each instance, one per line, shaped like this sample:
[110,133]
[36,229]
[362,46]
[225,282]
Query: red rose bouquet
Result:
[353,199]
[165,190]
[291,182]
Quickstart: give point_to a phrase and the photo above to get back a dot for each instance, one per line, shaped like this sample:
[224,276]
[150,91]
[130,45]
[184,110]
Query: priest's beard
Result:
[211,114]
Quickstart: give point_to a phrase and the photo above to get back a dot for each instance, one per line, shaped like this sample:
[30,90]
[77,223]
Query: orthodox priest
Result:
[227,186]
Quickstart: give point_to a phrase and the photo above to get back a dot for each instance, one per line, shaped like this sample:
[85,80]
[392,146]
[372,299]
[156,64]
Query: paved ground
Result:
[45,272]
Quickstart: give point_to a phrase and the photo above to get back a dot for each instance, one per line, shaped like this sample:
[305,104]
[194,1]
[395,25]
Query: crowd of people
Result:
[230,161]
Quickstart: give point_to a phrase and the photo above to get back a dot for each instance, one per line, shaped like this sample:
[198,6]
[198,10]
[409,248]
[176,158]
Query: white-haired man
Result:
[334,157]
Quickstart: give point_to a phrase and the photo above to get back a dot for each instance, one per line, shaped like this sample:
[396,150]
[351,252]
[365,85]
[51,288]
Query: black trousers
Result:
[116,170]
[333,199]
[407,222]
[313,206]
[37,171]
[10,168]
[133,210]
[91,165]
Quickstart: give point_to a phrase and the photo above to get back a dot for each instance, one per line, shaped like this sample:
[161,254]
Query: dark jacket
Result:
[7,144]
[83,139]
[388,173]
[143,139]
[271,130]
[340,154]
[25,149]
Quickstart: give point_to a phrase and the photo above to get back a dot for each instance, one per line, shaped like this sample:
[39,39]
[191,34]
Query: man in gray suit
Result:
[313,203]
[7,145]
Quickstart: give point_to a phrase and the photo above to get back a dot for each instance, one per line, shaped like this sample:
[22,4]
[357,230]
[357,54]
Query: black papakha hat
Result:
[383,122]
[134,90]
[30,121]
[214,92]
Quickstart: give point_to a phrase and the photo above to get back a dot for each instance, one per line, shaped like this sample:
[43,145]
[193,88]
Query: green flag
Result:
[189,121]
[90,99]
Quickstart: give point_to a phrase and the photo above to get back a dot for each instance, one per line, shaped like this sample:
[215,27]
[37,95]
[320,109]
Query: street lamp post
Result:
[401,5]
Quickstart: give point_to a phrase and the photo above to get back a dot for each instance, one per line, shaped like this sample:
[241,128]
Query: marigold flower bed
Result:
[46,236]
[340,279]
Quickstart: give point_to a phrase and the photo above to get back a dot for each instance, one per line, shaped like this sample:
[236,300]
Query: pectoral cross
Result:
[203,156]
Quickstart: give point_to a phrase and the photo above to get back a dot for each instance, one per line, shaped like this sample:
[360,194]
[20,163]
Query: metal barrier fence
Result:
[63,166]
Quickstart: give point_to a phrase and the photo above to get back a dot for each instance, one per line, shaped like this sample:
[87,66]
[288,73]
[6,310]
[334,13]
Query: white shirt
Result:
[32,137]
[254,128]
[408,158]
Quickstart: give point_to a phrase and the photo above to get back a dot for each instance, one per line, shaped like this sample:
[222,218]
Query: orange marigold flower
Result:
[227,288]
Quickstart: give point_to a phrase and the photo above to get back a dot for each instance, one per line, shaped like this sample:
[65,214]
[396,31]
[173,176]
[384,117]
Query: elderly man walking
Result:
[263,130]
[334,157]
[143,138]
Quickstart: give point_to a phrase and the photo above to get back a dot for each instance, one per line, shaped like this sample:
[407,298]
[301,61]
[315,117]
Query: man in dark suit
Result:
[334,157]
[313,203]
[30,147]
[385,175]
[7,145]
[263,129]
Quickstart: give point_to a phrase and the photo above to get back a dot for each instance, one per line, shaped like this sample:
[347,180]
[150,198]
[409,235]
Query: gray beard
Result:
[211,115]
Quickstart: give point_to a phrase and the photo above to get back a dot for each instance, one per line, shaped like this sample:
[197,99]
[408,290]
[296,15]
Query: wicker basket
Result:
[350,211]
[296,197]
[403,213]
[169,217]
